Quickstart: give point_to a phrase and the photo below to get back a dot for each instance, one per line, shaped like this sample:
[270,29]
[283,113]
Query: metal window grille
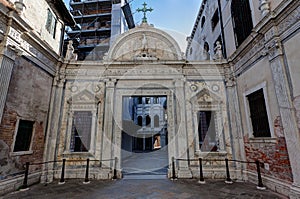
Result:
[81,131]
[242,20]
[24,134]
[258,114]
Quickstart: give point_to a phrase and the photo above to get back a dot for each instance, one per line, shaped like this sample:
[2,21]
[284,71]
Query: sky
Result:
[176,17]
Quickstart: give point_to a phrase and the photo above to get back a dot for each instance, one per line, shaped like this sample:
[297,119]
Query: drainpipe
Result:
[222,29]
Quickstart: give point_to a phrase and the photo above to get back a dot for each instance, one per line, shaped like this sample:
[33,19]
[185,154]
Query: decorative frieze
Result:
[271,33]
[289,21]
[253,54]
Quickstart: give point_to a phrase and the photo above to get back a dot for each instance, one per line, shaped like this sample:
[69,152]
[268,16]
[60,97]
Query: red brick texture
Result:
[274,154]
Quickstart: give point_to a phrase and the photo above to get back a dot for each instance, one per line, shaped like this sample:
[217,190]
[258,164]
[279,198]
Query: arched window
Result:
[140,120]
[202,21]
[206,47]
[156,121]
[148,120]
[206,55]
[242,20]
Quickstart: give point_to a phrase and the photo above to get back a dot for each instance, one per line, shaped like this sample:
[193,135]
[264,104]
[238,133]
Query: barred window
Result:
[156,121]
[202,21]
[140,120]
[215,20]
[242,20]
[24,135]
[207,131]
[51,23]
[148,120]
[81,131]
[258,114]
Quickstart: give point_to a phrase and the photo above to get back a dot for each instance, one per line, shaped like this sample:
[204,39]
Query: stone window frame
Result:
[30,151]
[51,18]
[218,128]
[217,106]
[263,86]
[81,107]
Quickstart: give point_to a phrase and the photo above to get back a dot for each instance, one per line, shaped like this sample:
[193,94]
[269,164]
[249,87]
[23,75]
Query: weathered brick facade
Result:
[273,154]
[28,98]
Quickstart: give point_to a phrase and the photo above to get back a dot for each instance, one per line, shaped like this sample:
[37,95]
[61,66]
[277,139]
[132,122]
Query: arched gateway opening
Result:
[143,109]
[144,136]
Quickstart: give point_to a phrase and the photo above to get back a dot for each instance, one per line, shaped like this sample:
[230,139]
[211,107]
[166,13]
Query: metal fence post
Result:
[115,168]
[25,184]
[228,179]
[62,177]
[86,180]
[173,169]
[201,180]
[260,183]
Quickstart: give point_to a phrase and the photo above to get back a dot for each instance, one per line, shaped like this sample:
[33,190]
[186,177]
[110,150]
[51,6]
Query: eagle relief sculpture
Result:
[145,54]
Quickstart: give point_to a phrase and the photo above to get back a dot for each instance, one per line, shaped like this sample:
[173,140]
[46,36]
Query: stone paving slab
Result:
[144,189]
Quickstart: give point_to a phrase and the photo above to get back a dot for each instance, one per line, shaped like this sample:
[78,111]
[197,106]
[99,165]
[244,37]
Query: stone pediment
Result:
[206,96]
[84,96]
[144,43]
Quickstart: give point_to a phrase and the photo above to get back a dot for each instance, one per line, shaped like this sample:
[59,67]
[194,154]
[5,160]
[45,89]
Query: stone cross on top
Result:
[144,10]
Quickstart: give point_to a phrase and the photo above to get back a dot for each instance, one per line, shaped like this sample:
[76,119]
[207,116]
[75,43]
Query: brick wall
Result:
[28,98]
[274,154]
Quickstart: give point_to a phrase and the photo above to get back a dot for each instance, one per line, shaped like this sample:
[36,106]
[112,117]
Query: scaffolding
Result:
[93,33]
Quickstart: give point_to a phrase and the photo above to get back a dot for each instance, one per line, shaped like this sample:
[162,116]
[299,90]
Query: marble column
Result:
[286,109]
[181,132]
[171,130]
[53,130]
[234,116]
[107,137]
[117,130]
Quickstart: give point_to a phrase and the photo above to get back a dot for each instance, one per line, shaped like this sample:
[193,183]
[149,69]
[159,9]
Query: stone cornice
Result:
[276,24]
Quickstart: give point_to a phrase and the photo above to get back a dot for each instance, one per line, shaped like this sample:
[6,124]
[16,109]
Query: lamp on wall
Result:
[19,5]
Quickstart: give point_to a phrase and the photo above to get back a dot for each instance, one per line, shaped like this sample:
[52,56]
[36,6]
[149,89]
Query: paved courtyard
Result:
[139,189]
[144,177]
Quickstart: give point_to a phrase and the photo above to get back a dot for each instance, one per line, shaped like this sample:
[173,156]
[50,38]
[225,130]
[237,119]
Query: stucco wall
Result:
[35,14]
[271,151]
[292,54]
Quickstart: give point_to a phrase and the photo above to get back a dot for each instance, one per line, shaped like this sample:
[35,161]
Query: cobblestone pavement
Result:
[147,189]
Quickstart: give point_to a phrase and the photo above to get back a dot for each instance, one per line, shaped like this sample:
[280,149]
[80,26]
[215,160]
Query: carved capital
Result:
[230,79]
[230,82]
[110,83]
[179,82]
[274,48]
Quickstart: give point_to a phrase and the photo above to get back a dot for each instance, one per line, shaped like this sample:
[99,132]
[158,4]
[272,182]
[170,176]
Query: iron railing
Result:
[228,178]
[63,170]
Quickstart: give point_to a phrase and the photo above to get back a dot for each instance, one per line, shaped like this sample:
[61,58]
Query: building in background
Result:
[30,52]
[260,44]
[98,23]
[144,123]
